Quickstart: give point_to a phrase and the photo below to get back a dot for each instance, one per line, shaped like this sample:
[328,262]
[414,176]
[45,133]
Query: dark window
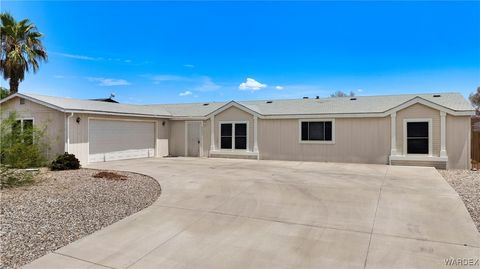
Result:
[417,137]
[240,136]
[316,131]
[233,136]
[23,131]
[28,131]
[226,135]
[17,128]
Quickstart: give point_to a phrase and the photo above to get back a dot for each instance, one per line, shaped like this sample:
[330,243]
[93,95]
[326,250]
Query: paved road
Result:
[221,213]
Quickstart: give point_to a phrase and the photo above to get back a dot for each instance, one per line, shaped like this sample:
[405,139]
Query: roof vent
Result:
[436,95]
[353,98]
[268,102]
[305,97]
[206,104]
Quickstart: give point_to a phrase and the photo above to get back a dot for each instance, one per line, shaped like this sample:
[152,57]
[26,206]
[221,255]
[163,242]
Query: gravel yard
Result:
[63,207]
[467,185]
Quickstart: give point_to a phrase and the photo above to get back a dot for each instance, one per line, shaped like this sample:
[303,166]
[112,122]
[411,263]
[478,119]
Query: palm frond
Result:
[21,47]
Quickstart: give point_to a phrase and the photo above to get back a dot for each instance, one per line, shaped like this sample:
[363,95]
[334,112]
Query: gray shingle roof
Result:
[338,105]
[98,106]
[362,104]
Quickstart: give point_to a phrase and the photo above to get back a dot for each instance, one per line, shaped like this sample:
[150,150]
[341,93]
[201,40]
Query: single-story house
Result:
[410,129]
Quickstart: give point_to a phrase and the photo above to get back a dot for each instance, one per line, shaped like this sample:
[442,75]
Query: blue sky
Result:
[169,52]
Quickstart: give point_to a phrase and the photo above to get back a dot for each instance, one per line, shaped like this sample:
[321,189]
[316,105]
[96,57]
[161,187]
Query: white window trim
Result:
[233,135]
[21,125]
[430,136]
[315,141]
[23,119]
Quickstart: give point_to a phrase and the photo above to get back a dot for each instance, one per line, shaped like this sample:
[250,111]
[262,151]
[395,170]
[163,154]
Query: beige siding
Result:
[177,138]
[419,111]
[458,142]
[234,114]
[79,134]
[51,120]
[360,140]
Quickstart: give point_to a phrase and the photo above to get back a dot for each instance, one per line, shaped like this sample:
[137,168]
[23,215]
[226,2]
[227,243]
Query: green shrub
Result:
[14,178]
[21,146]
[65,162]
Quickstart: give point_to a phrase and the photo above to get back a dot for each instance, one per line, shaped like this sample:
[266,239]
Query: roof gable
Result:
[233,104]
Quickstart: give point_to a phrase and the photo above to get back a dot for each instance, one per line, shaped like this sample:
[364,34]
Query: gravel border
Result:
[467,185]
[64,206]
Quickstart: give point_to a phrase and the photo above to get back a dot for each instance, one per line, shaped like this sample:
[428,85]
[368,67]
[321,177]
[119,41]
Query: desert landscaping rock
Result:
[63,207]
[467,185]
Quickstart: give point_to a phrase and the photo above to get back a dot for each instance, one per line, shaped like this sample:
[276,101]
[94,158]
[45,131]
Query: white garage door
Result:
[111,140]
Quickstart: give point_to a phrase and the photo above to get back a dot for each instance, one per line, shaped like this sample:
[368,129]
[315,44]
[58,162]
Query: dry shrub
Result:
[110,176]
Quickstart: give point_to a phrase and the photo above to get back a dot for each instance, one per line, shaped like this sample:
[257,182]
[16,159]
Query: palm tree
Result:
[21,49]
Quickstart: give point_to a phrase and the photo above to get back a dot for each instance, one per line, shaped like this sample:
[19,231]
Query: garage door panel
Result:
[117,140]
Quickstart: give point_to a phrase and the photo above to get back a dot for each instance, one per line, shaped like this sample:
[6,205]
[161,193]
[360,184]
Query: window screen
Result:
[226,135]
[28,131]
[417,137]
[316,131]
[233,136]
[240,136]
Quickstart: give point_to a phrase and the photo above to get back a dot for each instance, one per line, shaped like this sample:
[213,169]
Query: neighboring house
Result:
[423,129]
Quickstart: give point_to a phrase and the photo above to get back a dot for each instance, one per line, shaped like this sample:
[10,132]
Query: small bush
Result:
[65,162]
[10,178]
[110,175]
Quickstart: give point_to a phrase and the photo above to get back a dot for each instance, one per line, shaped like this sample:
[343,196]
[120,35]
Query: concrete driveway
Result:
[221,213]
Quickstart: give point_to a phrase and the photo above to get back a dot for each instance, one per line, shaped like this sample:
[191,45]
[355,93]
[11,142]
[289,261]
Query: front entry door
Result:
[193,138]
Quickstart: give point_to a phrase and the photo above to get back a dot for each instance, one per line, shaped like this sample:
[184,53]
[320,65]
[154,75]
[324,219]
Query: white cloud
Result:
[207,85]
[185,93]
[78,57]
[279,88]
[252,85]
[360,90]
[109,81]
[189,65]
[91,58]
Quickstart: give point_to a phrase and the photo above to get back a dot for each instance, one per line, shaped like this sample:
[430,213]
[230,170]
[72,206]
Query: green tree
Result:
[21,49]
[342,94]
[22,145]
[4,92]
[475,100]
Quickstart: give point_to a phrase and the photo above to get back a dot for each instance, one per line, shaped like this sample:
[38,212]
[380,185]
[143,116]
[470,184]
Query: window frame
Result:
[21,125]
[233,135]
[327,142]
[430,136]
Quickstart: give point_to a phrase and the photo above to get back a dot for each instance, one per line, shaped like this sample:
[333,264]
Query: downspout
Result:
[67,145]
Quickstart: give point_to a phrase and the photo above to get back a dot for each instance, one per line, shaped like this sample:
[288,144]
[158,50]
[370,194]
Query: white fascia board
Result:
[234,104]
[115,114]
[32,100]
[189,118]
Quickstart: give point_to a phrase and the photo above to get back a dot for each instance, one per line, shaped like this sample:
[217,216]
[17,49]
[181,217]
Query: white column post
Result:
[255,134]
[443,123]
[212,131]
[393,135]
